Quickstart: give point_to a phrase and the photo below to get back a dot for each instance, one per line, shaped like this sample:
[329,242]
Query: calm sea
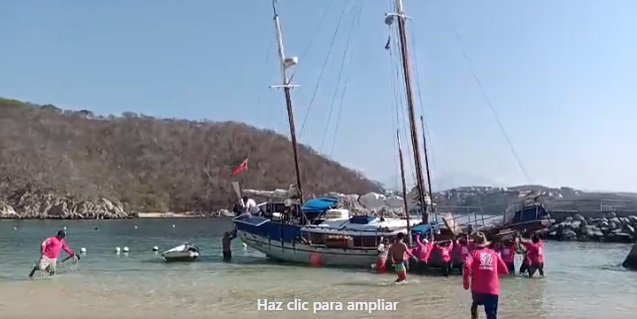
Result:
[583,279]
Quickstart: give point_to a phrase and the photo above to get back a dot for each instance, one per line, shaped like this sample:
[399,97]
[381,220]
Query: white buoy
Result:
[83,250]
[117,250]
[125,249]
[14,228]
[135,226]
[155,248]
[173,225]
[64,227]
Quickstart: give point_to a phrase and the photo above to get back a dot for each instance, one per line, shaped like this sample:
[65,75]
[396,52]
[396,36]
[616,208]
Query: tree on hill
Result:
[152,164]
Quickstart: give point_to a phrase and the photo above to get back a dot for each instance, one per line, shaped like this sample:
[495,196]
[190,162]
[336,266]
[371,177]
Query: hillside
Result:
[147,164]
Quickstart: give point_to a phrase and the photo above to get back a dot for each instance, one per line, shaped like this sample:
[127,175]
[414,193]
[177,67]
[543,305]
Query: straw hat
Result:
[480,239]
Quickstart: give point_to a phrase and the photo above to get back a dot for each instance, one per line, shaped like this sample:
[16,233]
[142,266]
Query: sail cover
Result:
[319,205]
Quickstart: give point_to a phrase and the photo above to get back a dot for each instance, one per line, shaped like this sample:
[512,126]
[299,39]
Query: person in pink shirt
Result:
[507,253]
[535,253]
[50,251]
[480,273]
[443,249]
[422,252]
[460,252]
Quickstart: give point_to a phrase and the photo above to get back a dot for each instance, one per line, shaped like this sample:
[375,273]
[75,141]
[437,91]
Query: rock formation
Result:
[607,229]
[28,204]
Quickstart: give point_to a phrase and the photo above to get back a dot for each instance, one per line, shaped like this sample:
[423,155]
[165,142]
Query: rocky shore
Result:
[606,229]
[26,204]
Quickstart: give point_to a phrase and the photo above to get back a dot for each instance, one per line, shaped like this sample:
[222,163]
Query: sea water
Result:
[582,280]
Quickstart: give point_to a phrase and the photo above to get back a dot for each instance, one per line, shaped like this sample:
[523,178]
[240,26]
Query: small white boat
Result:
[185,252]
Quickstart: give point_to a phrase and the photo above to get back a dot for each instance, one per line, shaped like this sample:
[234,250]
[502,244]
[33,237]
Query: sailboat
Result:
[316,231]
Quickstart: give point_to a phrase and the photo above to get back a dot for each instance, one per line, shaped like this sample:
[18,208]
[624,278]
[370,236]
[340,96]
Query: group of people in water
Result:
[481,262]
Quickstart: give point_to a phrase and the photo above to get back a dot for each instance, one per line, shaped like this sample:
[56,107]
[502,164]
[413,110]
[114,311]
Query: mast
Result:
[286,63]
[424,146]
[404,184]
[404,52]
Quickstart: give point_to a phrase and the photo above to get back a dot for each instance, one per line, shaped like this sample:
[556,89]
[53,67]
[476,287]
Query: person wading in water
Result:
[50,251]
[397,253]
[535,253]
[480,273]
[226,242]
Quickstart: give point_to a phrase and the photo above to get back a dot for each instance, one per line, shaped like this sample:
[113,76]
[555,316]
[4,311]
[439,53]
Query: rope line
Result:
[320,76]
[356,24]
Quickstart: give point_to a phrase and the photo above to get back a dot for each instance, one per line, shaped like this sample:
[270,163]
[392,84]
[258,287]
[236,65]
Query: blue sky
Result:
[560,75]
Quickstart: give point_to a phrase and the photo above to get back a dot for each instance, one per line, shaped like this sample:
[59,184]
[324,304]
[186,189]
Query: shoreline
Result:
[132,216]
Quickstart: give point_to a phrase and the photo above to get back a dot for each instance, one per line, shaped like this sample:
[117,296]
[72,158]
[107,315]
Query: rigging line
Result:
[349,59]
[427,136]
[340,74]
[260,96]
[314,35]
[320,76]
[487,99]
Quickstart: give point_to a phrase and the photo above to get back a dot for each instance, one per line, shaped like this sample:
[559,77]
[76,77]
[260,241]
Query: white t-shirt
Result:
[251,206]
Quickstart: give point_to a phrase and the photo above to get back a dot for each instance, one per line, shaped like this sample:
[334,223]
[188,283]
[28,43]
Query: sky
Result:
[559,74]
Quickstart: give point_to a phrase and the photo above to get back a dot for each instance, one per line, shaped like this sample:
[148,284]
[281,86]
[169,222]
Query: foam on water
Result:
[580,279]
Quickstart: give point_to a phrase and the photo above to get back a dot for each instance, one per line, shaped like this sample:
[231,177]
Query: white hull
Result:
[300,253]
[181,253]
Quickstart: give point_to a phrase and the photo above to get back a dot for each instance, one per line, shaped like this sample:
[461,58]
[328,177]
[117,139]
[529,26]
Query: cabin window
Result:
[365,241]
[316,238]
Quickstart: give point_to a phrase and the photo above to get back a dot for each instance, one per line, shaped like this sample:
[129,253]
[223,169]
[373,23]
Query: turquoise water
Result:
[583,279]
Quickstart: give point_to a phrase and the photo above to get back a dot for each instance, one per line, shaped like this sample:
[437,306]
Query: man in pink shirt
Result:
[507,252]
[535,252]
[443,249]
[50,251]
[480,273]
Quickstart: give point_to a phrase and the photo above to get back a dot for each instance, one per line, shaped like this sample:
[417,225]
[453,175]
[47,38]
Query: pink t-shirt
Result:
[444,251]
[461,251]
[51,247]
[534,251]
[424,251]
[507,252]
[484,265]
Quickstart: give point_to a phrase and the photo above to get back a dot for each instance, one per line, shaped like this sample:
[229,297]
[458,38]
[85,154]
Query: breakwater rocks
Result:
[26,204]
[607,229]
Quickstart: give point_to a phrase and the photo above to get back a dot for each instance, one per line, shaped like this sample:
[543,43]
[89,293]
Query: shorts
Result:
[489,301]
[400,270]
[48,264]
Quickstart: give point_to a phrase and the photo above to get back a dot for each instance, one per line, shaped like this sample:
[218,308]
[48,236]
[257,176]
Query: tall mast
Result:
[399,14]
[404,184]
[424,146]
[286,63]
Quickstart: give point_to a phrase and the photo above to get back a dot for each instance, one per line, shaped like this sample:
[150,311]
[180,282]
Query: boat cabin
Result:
[356,232]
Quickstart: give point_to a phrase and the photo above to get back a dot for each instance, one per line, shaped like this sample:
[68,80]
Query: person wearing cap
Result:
[480,273]
[50,250]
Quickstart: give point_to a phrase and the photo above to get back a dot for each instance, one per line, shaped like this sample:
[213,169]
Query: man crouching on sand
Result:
[50,250]
[397,252]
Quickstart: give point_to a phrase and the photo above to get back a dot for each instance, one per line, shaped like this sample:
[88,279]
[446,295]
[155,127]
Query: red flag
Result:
[242,167]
